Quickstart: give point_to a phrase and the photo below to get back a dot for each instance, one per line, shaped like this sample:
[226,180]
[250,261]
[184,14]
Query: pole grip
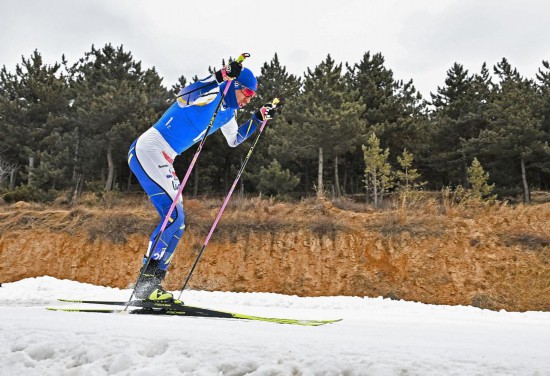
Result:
[243,56]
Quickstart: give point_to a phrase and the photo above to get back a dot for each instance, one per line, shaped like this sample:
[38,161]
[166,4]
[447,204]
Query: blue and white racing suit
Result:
[151,156]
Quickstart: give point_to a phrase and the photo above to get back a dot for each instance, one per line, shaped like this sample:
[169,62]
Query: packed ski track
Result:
[376,337]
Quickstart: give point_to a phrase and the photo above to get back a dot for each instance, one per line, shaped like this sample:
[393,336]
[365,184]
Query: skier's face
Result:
[242,98]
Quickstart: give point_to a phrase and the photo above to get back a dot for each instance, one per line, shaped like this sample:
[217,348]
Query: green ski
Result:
[178,309]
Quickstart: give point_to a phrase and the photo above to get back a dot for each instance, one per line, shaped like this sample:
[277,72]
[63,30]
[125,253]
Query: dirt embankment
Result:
[490,257]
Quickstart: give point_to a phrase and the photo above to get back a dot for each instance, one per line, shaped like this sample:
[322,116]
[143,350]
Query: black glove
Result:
[267,112]
[230,72]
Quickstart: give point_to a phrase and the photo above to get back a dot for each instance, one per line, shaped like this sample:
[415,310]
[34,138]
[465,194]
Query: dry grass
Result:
[483,301]
[113,223]
[116,227]
[394,225]
[115,217]
[530,241]
[540,197]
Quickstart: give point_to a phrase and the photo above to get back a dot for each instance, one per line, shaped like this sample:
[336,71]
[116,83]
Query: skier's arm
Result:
[206,90]
[235,135]
[199,93]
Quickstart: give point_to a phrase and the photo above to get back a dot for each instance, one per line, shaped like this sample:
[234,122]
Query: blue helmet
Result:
[247,79]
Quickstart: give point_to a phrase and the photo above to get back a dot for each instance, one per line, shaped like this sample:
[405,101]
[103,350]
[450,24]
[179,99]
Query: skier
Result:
[184,124]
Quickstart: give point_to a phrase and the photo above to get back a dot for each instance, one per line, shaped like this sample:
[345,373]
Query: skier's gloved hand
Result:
[267,112]
[229,72]
[234,69]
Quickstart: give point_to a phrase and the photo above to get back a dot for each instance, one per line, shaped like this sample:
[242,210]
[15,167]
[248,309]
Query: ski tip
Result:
[317,322]
[320,322]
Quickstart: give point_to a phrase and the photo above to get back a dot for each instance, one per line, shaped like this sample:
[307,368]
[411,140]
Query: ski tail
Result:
[94,310]
[102,302]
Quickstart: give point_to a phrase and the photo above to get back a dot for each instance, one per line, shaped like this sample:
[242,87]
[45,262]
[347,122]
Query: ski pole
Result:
[220,212]
[240,59]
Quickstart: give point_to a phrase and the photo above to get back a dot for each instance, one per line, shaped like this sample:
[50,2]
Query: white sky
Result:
[419,39]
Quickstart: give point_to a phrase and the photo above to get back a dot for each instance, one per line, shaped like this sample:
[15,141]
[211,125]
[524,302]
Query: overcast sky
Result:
[419,39]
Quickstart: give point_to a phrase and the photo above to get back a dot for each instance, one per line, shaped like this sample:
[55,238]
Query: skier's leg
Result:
[150,158]
[169,253]
[171,234]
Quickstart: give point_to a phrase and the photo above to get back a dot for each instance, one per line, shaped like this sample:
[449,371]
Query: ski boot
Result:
[148,287]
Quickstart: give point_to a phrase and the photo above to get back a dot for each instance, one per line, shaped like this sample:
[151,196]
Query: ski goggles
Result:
[249,93]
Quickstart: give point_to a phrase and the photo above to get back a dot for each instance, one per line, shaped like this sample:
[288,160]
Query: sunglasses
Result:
[249,93]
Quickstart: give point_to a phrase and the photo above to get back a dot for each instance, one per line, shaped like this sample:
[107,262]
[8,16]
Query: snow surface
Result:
[377,337]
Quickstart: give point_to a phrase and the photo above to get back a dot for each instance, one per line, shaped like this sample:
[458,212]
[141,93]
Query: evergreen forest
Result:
[343,129]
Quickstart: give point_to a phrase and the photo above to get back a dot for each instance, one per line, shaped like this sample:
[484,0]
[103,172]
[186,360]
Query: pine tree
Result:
[7,170]
[322,122]
[116,100]
[378,174]
[459,116]
[407,176]
[273,82]
[391,106]
[34,103]
[394,110]
[542,161]
[479,187]
[515,132]
[273,180]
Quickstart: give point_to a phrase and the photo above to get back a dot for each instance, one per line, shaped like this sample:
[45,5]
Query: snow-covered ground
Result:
[376,337]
